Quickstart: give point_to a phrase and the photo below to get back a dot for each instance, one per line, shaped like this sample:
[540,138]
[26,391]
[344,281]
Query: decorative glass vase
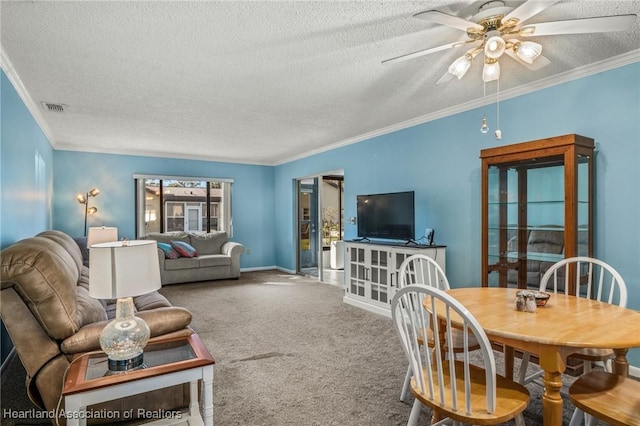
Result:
[124,338]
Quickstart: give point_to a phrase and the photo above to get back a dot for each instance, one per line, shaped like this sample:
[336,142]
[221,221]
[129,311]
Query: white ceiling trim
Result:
[574,74]
[33,108]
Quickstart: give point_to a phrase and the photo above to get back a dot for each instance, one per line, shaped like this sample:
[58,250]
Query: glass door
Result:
[309,262]
[192,220]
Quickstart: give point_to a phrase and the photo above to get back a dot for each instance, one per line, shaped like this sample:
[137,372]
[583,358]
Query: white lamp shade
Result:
[101,234]
[460,66]
[123,269]
[491,71]
[528,51]
[494,48]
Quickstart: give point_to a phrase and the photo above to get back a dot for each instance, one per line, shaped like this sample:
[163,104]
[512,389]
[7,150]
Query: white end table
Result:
[167,363]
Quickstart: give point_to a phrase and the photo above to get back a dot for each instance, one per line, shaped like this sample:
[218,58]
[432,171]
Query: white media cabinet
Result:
[371,271]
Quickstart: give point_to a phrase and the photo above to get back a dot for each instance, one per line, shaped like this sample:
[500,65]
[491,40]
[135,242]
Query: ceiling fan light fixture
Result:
[528,51]
[494,47]
[460,66]
[491,70]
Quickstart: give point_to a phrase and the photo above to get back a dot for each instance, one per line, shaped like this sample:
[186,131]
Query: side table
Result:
[167,363]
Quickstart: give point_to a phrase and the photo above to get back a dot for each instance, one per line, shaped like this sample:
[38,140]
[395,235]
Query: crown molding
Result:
[157,154]
[36,112]
[574,74]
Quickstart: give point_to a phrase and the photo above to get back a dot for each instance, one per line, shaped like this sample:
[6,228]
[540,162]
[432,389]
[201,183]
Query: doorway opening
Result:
[320,227]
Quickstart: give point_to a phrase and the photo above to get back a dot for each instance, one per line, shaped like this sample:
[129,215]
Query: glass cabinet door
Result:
[379,275]
[357,271]
[537,208]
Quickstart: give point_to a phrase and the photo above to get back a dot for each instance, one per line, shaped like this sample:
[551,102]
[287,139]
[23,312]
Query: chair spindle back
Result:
[594,279]
[444,382]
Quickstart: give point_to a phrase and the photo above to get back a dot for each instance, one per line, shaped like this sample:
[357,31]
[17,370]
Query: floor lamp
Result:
[84,199]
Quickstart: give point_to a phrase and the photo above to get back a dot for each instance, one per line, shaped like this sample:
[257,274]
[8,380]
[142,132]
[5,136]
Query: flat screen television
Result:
[386,216]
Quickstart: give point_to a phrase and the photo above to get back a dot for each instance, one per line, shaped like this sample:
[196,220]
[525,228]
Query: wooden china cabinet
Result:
[537,208]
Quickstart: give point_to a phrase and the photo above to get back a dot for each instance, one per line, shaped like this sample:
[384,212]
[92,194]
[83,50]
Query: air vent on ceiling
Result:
[51,107]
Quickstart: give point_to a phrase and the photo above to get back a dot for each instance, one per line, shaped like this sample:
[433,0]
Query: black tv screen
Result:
[387,216]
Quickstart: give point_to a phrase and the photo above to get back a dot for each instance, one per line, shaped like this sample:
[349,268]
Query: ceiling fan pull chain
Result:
[498,131]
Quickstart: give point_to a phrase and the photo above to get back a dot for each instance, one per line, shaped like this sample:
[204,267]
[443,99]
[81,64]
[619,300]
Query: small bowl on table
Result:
[541,297]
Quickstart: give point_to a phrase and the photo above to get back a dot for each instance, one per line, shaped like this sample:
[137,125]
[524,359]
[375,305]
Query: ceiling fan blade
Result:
[540,62]
[528,9]
[425,52]
[601,24]
[452,21]
[446,77]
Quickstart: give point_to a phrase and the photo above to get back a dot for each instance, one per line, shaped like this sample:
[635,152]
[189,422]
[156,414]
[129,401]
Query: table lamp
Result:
[121,270]
[101,234]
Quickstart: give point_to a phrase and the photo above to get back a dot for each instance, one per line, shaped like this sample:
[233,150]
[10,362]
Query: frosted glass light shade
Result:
[494,47]
[528,51]
[460,66]
[101,234]
[491,71]
[123,269]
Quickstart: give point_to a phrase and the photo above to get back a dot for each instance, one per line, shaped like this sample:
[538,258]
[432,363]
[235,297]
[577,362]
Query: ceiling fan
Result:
[497,29]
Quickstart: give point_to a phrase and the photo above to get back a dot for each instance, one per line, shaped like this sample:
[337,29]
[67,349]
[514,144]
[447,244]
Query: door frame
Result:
[296,221]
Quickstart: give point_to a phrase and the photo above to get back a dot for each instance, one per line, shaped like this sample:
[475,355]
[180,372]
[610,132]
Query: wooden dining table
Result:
[553,332]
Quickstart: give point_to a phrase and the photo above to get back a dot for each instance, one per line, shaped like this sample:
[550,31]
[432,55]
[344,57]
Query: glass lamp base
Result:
[118,365]
[124,338]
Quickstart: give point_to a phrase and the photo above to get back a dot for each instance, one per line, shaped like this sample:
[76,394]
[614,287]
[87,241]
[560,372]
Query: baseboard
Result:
[366,306]
[634,371]
[258,268]
[268,268]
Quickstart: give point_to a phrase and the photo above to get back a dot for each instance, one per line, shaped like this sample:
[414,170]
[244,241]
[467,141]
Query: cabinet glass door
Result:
[584,205]
[357,271]
[537,208]
[379,276]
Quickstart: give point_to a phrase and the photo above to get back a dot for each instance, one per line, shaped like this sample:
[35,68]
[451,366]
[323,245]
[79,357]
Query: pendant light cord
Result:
[498,107]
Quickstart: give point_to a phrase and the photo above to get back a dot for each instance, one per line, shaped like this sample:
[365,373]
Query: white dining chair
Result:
[422,269]
[594,279]
[456,389]
[606,396]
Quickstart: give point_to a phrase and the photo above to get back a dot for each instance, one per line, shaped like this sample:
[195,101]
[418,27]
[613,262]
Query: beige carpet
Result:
[289,352]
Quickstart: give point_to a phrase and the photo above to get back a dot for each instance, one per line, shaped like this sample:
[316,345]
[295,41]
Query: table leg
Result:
[553,362]
[508,361]
[620,365]
[194,406]
[207,391]
[72,408]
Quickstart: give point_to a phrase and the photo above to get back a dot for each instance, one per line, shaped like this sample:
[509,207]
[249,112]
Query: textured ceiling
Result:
[260,82]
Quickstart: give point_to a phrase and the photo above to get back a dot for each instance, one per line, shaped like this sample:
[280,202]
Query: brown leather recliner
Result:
[50,317]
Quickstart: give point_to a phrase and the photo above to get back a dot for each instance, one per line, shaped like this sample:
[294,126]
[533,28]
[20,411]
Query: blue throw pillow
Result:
[169,252]
[185,250]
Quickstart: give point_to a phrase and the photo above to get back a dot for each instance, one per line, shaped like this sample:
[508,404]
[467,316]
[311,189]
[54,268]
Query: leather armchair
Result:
[50,317]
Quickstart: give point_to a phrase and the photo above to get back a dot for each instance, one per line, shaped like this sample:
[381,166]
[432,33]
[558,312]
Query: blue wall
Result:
[26,177]
[78,172]
[440,161]
[26,171]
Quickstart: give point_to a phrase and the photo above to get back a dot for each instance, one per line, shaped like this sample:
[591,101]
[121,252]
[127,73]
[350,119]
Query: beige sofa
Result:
[217,257]
[50,317]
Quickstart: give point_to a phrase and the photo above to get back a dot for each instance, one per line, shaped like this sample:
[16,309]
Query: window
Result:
[169,203]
